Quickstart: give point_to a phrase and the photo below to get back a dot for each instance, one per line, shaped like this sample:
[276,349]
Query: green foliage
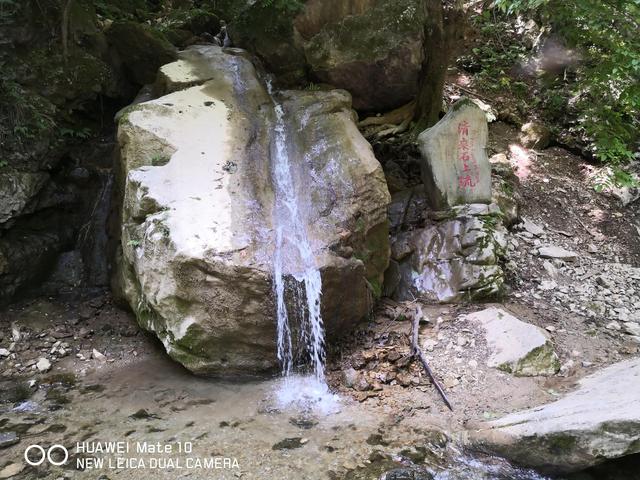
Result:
[159,159]
[496,57]
[77,133]
[24,116]
[8,9]
[606,92]
[614,178]
[124,9]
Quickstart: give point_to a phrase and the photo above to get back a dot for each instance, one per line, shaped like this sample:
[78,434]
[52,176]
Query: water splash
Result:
[297,281]
[305,393]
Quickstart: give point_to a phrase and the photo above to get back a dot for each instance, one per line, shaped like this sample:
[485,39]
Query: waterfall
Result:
[297,281]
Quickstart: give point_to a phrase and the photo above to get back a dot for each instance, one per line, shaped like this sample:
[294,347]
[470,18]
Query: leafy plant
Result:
[23,115]
[606,89]
[79,133]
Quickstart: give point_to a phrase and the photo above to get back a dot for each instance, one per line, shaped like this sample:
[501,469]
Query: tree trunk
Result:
[65,29]
[443,28]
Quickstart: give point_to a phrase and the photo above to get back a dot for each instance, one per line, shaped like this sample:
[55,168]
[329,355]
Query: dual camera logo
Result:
[35,455]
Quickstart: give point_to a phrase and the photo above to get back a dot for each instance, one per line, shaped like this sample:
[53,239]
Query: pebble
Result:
[96,355]
[11,470]
[556,252]
[613,325]
[4,352]
[43,365]
[8,438]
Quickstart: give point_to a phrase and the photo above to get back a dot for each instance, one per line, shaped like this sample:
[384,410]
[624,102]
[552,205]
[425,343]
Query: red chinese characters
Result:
[470,175]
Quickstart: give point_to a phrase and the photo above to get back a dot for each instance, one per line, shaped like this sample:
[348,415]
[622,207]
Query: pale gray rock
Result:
[43,365]
[11,470]
[535,135]
[598,421]
[350,377]
[551,270]
[531,227]
[17,191]
[559,253]
[632,328]
[8,439]
[455,167]
[515,346]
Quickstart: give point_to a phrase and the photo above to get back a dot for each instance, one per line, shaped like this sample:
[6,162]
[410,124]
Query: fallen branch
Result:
[471,92]
[417,352]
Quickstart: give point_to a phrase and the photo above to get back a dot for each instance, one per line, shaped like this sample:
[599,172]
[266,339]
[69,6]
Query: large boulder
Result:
[371,48]
[598,421]
[376,53]
[197,210]
[318,13]
[455,167]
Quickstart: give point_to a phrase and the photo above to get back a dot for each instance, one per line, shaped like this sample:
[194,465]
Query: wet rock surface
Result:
[148,398]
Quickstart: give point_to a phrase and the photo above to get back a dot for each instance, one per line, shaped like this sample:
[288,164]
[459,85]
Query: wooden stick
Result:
[471,92]
[417,352]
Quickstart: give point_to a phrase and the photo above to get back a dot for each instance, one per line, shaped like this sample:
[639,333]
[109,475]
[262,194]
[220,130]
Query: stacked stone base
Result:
[455,258]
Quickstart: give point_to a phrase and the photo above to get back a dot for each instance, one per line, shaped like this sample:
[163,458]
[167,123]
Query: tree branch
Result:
[417,353]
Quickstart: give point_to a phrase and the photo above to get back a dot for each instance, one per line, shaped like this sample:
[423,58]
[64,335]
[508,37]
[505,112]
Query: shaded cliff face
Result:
[56,135]
[55,147]
[198,207]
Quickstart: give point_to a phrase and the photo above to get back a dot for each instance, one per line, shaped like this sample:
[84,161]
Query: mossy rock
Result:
[269,34]
[182,26]
[376,56]
[141,49]
[540,361]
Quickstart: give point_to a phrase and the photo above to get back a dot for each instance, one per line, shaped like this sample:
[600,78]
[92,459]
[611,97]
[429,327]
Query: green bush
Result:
[606,90]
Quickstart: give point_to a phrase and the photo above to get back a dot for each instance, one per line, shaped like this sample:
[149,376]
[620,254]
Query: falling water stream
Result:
[297,282]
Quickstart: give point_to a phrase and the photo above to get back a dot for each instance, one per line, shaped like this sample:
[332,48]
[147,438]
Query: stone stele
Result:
[455,167]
